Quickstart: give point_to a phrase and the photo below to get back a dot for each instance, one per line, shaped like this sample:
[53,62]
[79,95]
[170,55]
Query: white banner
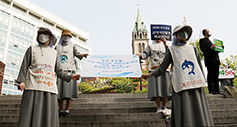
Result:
[226,74]
[111,66]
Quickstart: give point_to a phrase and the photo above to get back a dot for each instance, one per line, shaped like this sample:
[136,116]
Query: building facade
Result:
[19,22]
[140,39]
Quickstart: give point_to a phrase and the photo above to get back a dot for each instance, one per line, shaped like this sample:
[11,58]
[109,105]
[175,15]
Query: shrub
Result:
[84,87]
[143,91]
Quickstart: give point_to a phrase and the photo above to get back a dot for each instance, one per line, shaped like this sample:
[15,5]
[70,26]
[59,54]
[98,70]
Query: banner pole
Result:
[140,77]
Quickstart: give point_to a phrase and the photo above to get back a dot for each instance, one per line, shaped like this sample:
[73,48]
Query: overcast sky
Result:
[110,22]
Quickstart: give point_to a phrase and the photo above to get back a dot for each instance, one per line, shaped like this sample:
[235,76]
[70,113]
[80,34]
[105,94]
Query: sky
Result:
[110,22]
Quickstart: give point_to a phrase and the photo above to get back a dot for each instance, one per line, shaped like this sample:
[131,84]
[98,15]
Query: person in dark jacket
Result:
[212,62]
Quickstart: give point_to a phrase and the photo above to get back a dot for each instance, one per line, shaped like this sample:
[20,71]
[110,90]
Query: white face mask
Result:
[43,38]
[66,38]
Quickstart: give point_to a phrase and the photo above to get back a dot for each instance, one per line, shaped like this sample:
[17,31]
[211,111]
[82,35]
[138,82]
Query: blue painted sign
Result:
[159,31]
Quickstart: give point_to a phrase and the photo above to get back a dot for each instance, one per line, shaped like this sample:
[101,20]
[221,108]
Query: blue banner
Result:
[159,31]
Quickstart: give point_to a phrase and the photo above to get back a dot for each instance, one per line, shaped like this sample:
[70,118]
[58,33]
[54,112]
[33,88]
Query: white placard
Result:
[111,66]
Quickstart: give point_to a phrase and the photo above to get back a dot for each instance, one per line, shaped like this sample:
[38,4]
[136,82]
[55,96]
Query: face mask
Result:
[209,34]
[66,38]
[183,35]
[43,38]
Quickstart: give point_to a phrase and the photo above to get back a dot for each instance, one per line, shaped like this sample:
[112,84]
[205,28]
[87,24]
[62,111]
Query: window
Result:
[139,48]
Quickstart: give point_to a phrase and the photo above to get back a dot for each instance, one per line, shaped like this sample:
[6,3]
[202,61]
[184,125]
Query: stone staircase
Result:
[118,110]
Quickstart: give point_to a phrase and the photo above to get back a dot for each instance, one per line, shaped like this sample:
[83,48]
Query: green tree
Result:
[231,62]
[197,45]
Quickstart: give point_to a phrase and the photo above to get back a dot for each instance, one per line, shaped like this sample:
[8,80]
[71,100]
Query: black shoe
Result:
[216,92]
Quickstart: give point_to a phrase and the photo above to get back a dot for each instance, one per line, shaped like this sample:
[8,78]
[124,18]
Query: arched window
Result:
[135,36]
[140,36]
[139,48]
[145,35]
[143,47]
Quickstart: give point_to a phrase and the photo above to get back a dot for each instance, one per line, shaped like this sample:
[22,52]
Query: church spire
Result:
[139,25]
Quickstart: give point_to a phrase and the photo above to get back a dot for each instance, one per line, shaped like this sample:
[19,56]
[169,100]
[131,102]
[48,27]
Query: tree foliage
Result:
[197,45]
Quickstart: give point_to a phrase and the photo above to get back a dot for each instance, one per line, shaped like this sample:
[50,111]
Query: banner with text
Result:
[111,66]
[226,74]
[159,31]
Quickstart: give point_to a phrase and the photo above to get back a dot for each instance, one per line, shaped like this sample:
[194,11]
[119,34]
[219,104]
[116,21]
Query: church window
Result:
[140,48]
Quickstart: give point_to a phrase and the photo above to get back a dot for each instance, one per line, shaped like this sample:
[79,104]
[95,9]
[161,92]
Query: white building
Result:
[19,22]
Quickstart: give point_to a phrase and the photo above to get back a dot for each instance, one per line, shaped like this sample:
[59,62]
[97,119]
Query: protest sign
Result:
[226,74]
[219,45]
[111,66]
[159,31]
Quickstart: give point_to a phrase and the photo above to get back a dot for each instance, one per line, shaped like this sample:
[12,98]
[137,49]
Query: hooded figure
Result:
[189,103]
[67,51]
[37,77]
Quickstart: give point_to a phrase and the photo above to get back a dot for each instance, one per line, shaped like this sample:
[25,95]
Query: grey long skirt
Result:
[38,109]
[190,109]
[159,87]
[67,89]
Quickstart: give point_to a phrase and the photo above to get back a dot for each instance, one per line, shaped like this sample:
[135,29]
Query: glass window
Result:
[5,85]
[10,92]
[14,93]
[4,91]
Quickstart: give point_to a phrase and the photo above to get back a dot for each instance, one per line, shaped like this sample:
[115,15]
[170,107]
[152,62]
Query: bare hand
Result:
[138,54]
[164,41]
[21,86]
[213,46]
[84,55]
[147,76]
[76,76]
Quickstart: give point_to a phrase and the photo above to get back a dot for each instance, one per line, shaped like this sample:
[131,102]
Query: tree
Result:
[197,45]
[231,62]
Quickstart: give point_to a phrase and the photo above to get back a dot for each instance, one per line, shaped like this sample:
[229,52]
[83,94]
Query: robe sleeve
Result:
[76,52]
[26,62]
[146,53]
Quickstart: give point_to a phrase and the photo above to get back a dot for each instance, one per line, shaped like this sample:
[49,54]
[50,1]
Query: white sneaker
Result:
[166,112]
[159,110]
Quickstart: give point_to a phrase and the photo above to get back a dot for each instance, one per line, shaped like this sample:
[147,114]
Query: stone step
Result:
[226,125]
[130,123]
[222,106]
[113,117]
[156,123]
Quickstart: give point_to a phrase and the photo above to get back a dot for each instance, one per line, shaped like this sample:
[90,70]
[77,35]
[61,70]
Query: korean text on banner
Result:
[226,74]
[111,66]
[159,31]
[219,45]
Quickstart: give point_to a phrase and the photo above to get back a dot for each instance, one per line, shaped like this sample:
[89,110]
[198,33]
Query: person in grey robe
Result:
[38,106]
[67,51]
[158,88]
[189,107]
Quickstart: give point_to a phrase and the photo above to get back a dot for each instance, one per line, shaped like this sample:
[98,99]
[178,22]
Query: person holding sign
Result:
[189,102]
[67,51]
[158,88]
[212,62]
[37,77]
